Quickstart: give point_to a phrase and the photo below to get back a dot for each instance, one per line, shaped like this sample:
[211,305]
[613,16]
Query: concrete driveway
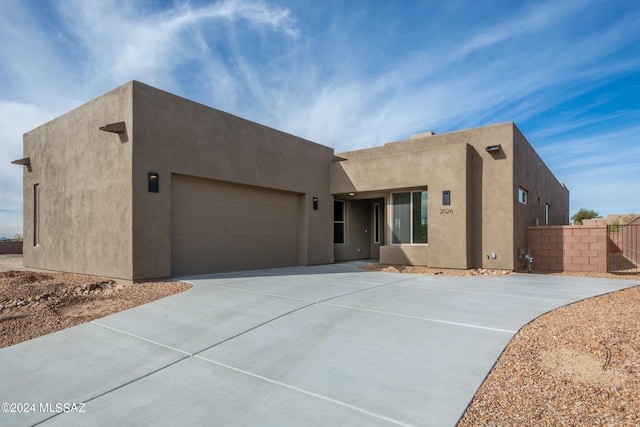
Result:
[325,345]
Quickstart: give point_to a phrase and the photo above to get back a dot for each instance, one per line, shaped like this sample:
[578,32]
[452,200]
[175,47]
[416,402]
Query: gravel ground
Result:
[577,365]
[35,304]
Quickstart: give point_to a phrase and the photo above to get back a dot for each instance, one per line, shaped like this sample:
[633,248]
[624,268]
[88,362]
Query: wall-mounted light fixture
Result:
[118,127]
[154,182]
[315,203]
[494,148]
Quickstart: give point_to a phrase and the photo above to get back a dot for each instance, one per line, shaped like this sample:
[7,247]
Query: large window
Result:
[338,222]
[410,218]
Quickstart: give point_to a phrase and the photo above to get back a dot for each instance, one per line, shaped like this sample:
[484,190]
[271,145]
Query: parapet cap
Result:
[422,135]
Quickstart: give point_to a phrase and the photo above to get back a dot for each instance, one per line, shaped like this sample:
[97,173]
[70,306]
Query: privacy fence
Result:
[10,248]
[598,248]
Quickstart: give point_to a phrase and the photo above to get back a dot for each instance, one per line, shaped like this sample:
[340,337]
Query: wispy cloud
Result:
[119,43]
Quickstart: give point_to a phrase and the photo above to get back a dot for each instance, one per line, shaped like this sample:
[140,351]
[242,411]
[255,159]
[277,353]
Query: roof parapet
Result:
[422,135]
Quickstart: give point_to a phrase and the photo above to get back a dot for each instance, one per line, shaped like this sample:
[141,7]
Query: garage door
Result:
[219,226]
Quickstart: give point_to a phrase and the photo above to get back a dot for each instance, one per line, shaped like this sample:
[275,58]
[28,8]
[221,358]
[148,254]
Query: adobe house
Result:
[140,184]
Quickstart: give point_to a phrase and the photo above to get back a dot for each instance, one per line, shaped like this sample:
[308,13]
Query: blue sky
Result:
[347,74]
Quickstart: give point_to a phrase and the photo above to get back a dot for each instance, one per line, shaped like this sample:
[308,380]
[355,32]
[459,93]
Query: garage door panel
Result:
[229,209]
[218,261]
[241,244]
[219,226]
[185,226]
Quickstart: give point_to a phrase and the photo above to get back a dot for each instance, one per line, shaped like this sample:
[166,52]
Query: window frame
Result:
[36,214]
[547,213]
[523,195]
[377,210]
[341,222]
[411,222]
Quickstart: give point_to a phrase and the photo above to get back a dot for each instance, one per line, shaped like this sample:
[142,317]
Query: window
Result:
[523,195]
[338,222]
[410,218]
[547,209]
[376,223]
[36,215]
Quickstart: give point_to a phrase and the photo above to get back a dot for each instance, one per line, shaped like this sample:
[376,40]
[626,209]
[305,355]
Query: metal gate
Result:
[623,248]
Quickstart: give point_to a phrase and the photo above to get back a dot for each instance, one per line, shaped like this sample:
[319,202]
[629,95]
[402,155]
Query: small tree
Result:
[583,214]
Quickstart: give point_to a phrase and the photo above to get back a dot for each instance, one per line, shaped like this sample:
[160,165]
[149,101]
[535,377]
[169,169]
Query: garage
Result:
[218,226]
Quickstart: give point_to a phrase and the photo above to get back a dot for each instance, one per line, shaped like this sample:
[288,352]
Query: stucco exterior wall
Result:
[531,173]
[406,166]
[175,135]
[492,181]
[479,220]
[84,178]
[97,215]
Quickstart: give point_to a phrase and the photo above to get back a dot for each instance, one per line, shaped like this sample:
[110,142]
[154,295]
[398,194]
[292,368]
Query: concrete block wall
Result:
[568,248]
[10,248]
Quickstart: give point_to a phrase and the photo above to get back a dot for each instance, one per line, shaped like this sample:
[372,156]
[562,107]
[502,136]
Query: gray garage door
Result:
[219,226]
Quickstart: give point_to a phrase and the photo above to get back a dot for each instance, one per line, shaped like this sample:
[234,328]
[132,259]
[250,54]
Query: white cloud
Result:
[122,42]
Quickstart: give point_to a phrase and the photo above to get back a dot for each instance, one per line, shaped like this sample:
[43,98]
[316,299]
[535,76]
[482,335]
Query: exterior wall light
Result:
[154,184]
[315,203]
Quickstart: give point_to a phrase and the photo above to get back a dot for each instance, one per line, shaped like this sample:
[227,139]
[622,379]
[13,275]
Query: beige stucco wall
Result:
[84,176]
[97,215]
[176,135]
[531,173]
[414,165]
[460,236]
[486,218]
